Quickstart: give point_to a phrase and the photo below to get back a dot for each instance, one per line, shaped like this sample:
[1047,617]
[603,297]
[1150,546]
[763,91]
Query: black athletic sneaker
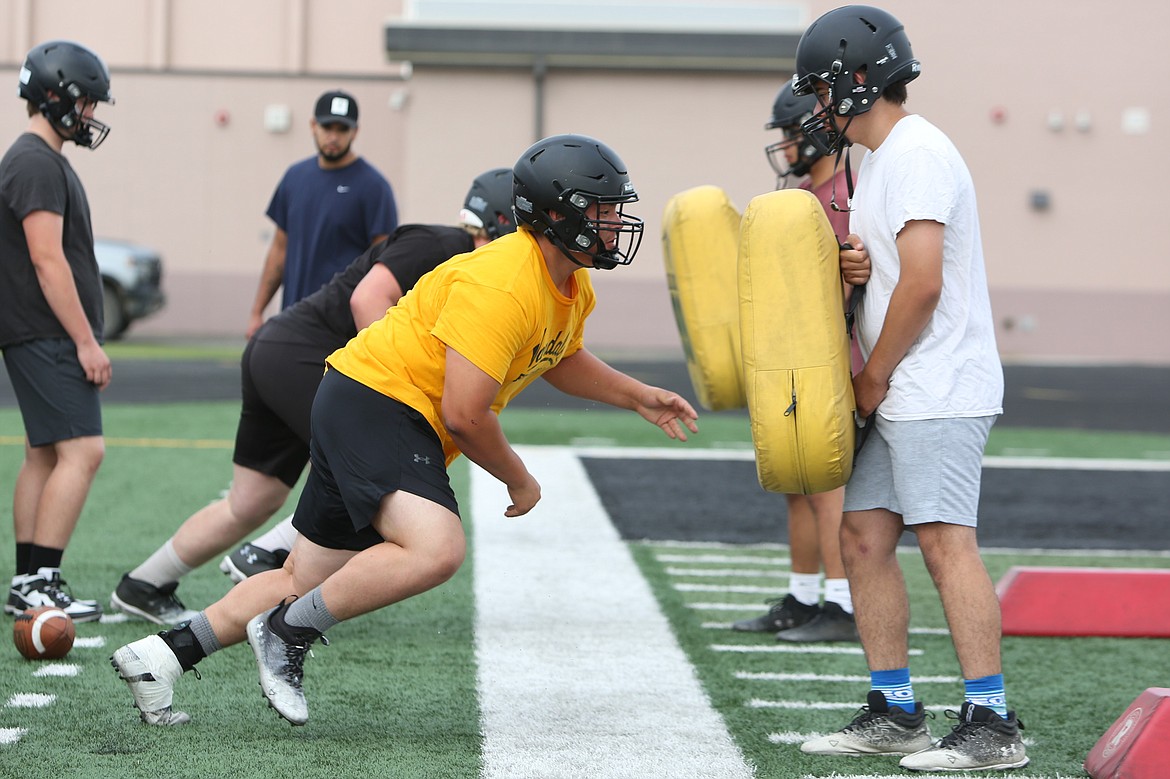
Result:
[878,729]
[47,588]
[784,614]
[142,599]
[250,560]
[832,623]
[981,741]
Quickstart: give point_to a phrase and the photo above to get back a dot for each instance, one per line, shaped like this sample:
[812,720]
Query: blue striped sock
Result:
[895,685]
[987,691]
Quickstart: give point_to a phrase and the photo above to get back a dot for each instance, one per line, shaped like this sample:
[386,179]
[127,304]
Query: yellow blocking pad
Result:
[700,237]
[796,358]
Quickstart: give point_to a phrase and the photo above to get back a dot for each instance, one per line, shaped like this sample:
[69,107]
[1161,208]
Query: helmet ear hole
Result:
[855,45]
[55,76]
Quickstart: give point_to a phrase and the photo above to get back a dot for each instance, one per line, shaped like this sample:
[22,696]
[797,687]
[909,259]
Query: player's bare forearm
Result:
[584,375]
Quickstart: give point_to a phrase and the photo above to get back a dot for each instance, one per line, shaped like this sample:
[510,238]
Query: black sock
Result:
[23,556]
[291,634]
[44,557]
[181,639]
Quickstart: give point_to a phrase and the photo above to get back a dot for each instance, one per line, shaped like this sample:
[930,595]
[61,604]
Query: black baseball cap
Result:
[337,107]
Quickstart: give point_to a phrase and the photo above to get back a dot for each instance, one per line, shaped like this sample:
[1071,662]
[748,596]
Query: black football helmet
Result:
[558,179]
[789,112]
[488,204]
[70,72]
[843,42]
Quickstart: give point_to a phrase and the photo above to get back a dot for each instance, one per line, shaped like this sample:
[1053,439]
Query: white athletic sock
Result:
[279,537]
[837,591]
[805,587]
[162,567]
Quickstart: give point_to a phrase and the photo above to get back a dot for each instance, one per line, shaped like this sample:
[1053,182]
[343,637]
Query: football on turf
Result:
[43,633]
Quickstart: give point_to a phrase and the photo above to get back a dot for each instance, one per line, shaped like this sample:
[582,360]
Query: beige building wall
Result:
[1041,100]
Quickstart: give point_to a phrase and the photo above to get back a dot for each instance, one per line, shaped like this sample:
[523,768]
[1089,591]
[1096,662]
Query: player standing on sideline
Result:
[814,521]
[280,370]
[327,209]
[378,519]
[932,377]
[51,318]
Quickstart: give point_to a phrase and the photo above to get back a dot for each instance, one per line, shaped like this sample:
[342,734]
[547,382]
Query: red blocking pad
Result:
[1120,602]
[1137,745]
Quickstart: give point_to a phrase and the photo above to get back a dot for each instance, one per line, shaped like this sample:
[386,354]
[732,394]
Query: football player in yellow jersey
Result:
[378,519]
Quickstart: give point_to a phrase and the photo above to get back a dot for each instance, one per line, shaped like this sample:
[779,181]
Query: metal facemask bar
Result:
[589,240]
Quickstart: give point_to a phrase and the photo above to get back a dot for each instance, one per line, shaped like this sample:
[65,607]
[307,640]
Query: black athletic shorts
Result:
[365,446]
[278,380]
[56,401]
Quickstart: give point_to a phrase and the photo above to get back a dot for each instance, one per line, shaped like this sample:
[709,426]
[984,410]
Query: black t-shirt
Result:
[34,177]
[410,252]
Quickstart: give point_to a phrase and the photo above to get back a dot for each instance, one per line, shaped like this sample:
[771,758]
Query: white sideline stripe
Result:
[11,735]
[30,700]
[90,642]
[722,559]
[727,573]
[58,669]
[746,589]
[113,619]
[767,676]
[990,461]
[611,694]
[794,649]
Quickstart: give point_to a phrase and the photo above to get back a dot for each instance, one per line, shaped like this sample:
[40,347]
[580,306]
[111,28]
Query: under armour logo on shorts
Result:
[418,458]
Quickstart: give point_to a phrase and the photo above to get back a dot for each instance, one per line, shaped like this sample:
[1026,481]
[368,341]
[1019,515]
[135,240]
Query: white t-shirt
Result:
[953,368]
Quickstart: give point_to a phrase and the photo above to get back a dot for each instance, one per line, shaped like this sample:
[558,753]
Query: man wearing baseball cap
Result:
[337,107]
[327,209]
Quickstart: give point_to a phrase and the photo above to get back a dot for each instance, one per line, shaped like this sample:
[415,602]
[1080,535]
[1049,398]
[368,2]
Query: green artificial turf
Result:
[395,693]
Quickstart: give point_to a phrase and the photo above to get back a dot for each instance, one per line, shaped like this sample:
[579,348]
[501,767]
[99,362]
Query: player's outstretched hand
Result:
[669,411]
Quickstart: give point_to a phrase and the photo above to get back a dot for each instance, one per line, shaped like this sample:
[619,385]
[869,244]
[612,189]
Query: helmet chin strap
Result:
[843,146]
[599,262]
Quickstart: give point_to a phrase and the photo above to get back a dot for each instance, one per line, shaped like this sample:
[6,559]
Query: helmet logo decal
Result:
[524,204]
[25,75]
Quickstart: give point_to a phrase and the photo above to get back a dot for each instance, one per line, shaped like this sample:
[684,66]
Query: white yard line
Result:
[11,735]
[740,589]
[766,676]
[723,559]
[726,573]
[30,700]
[579,672]
[991,461]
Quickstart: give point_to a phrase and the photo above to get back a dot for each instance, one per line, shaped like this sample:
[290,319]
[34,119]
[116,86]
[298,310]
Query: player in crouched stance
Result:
[378,520]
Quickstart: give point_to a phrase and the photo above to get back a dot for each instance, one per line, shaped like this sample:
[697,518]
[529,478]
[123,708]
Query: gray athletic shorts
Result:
[925,470]
[56,401]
